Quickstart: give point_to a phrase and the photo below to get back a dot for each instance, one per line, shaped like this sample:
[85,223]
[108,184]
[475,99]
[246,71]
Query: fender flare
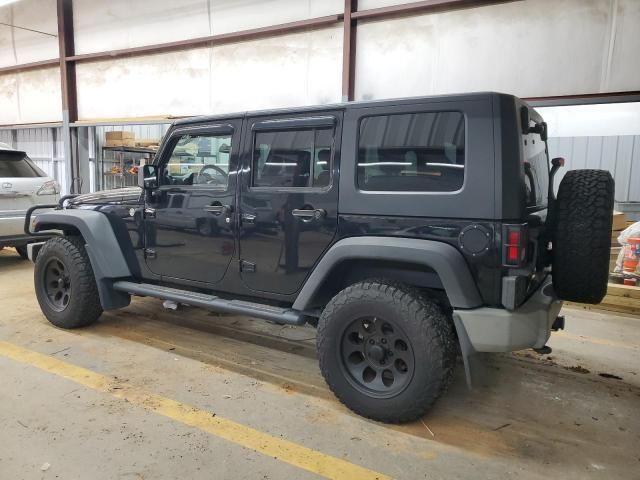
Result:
[444,259]
[103,249]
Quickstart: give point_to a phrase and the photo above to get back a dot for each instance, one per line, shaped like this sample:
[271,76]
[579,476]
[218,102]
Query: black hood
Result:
[126,195]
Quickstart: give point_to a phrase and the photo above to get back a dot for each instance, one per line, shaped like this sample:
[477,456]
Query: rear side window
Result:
[292,158]
[418,152]
[18,165]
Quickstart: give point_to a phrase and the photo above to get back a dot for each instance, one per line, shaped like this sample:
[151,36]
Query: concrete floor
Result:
[533,417]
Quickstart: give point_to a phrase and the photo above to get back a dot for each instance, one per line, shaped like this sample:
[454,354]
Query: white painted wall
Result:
[108,25]
[19,46]
[530,48]
[30,97]
[297,69]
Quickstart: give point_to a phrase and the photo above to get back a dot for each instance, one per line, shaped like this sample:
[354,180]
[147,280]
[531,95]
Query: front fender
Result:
[107,259]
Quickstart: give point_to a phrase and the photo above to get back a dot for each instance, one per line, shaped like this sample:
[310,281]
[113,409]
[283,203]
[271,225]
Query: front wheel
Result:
[65,284]
[386,351]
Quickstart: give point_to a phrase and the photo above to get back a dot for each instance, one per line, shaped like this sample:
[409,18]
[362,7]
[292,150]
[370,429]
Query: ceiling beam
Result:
[54,62]
[232,37]
[424,6]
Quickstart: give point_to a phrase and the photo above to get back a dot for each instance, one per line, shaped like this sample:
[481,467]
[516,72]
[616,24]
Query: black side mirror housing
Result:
[148,177]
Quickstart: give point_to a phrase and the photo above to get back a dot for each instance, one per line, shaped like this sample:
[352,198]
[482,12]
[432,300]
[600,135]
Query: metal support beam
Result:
[54,62]
[68,86]
[425,6]
[586,99]
[349,50]
[67,69]
[221,39]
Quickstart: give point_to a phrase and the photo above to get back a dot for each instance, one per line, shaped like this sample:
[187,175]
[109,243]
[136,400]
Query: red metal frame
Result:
[67,69]
[349,50]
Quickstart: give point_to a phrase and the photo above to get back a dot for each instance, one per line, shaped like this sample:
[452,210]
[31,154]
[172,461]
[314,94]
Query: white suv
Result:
[22,185]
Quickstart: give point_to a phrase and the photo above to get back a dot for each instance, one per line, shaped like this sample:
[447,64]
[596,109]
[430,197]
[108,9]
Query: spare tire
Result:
[582,221]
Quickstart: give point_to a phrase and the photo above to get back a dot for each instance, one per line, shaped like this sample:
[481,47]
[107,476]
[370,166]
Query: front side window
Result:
[199,160]
[420,152]
[292,158]
[18,165]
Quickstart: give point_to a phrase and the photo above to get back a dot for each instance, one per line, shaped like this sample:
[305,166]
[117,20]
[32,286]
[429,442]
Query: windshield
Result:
[18,165]
[536,167]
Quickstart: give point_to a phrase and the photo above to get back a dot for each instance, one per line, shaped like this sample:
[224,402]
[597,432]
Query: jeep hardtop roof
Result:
[344,105]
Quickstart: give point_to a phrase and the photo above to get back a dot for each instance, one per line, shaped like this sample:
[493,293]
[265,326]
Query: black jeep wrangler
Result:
[406,230]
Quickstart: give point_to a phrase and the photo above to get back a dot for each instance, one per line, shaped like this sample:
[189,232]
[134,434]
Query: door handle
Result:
[218,209]
[308,214]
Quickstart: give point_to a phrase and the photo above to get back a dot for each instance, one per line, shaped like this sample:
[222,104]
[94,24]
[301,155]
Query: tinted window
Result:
[18,165]
[293,158]
[199,160]
[536,170]
[412,152]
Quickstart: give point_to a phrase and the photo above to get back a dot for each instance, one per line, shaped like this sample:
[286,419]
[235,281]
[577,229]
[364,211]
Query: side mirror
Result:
[148,177]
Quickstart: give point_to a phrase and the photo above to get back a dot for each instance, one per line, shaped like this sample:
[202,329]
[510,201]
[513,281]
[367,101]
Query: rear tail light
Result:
[514,250]
[49,188]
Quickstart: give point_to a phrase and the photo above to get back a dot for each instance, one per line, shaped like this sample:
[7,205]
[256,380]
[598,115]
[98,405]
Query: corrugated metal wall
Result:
[618,154]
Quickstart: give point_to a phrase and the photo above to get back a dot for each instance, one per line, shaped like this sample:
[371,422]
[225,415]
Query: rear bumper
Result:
[501,330]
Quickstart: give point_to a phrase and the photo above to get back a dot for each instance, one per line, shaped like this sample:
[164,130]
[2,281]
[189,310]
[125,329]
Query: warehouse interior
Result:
[89,89]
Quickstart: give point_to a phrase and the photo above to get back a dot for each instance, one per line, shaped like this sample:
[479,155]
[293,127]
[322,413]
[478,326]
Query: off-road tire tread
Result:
[86,308]
[583,219]
[437,338]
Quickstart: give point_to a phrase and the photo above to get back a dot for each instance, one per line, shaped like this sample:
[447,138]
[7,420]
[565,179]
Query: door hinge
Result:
[150,253]
[246,266]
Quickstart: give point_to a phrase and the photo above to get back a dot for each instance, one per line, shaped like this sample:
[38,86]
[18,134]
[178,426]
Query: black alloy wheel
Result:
[377,357]
[57,284]
[386,349]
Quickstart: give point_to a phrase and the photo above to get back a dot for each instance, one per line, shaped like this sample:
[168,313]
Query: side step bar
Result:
[213,303]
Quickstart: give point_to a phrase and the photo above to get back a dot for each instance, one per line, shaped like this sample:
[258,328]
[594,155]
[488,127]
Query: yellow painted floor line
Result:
[283,450]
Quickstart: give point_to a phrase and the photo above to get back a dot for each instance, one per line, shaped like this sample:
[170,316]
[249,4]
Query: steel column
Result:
[349,50]
[68,86]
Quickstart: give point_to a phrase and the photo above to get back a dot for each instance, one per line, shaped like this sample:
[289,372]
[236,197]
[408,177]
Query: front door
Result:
[288,198]
[189,227]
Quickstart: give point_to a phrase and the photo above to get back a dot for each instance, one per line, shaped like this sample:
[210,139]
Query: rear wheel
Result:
[583,216]
[65,284]
[385,350]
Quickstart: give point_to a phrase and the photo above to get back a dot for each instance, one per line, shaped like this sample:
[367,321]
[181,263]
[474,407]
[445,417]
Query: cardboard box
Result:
[127,142]
[109,136]
[619,221]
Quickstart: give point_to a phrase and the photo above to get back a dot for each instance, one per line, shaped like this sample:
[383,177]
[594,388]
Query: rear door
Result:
[288,197]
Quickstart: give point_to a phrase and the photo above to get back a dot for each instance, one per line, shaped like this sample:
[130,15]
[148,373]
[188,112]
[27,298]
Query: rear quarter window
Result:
[421,152]
[18,165]
[536,170]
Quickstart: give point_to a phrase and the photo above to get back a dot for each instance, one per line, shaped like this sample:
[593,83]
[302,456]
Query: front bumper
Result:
[501,330]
